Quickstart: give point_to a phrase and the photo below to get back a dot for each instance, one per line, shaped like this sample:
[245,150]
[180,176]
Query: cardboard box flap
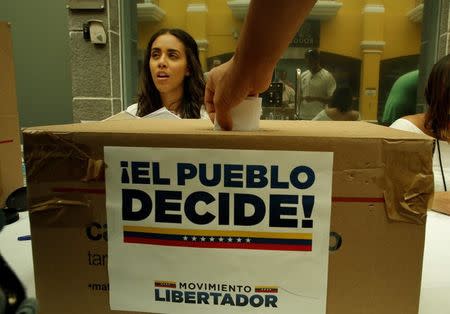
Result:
[374,155]
[333,129]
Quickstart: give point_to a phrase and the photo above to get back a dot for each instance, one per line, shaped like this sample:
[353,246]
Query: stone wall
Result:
[96,70]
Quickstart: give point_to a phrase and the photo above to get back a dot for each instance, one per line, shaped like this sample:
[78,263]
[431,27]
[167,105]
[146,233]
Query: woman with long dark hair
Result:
[436,123]
[171,76]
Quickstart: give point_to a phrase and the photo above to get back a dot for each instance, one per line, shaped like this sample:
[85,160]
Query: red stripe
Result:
[357,199]
[6,141]
[79,190]
[220,245]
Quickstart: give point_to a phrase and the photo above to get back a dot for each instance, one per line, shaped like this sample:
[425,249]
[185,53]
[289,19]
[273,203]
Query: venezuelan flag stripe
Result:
[220,242]
[218,233]
[165,284]
[220,245]
[265,289]
[233,239]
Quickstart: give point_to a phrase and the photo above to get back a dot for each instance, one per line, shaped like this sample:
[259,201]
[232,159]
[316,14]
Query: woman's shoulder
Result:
[414,123]
[416,119]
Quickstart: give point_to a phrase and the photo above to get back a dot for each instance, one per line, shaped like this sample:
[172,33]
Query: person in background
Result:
[288,96]
[260,46]
[340,107]
[171,76]
[317,86]
[402,98]
[436,123]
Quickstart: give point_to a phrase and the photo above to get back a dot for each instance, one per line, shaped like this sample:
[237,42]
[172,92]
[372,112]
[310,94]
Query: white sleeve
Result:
[398,124]
[405,125]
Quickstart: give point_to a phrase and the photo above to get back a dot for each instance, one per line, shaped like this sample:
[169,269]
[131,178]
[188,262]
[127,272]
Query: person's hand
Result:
[223,91]
[226,87]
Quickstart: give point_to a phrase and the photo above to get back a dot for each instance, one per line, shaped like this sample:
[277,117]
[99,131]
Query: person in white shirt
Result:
[317,86]
[436,123]
[171,76]
[288,95]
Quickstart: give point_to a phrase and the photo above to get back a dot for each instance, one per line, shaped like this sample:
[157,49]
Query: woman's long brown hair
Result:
[437,94]
[149,99]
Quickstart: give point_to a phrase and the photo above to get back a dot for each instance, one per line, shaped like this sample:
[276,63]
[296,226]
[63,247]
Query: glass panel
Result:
[363,45]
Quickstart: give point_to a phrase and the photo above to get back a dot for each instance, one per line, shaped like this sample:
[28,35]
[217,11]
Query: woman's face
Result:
[168,64]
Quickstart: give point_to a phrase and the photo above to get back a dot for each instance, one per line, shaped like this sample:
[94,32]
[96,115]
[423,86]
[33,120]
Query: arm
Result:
[260,46]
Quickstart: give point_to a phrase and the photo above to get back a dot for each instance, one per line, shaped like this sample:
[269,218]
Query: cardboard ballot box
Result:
[380,182]
[10,154]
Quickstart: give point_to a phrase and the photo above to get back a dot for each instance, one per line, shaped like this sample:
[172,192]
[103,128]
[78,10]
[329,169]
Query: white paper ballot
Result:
[161,113]
[246,115]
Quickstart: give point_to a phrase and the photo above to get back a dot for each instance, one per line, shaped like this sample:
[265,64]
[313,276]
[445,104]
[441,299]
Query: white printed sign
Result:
[218,231]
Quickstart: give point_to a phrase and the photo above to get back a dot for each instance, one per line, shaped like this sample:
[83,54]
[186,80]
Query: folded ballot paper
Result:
[161,113]
[246,115]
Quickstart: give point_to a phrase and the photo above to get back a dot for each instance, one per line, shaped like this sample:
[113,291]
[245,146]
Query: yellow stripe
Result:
[220,233]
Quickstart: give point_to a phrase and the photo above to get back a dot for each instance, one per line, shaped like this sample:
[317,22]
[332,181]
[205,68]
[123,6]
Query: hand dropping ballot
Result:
[246,115]
[213,230]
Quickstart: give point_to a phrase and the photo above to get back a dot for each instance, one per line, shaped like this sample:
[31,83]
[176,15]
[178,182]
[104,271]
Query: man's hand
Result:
[227,87]
[259,48]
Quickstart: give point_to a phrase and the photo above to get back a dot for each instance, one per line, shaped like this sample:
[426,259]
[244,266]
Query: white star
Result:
[230,239]
[221,239]
[194,238]
[211,239]
[203,239]
[247,240]
[239,240]
[185,238]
